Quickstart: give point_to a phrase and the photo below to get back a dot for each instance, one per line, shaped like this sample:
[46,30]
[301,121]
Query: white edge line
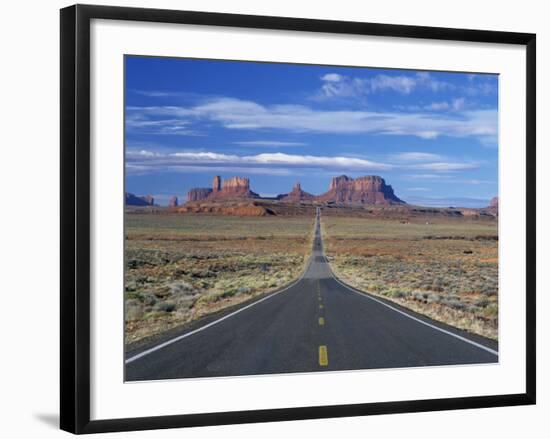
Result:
[368,296]
[221,319]
[452,334]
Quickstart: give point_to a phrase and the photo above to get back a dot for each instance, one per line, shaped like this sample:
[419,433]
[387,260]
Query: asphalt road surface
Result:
[316,324]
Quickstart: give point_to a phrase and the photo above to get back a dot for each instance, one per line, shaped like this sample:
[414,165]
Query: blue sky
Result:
[432,135]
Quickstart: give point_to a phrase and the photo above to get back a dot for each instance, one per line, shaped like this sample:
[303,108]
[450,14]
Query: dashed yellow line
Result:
[323,356]
[321,306]
[321,321]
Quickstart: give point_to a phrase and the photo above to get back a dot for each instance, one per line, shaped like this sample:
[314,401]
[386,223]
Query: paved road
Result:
[317,324]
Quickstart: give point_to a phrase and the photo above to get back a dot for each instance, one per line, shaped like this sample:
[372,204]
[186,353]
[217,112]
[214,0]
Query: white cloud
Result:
[163,160]
[445,166]
[339,86]
[417,189]
[308,161]
[437,106]
[332,77]
[426,176]
[457,104]
[426,80]
[240,114]
[143,161]
[416,157]
[269,143]
[401,84]
[336,85]
[139,121]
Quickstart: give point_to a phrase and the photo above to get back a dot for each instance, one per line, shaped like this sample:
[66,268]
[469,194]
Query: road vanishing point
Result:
[318,323]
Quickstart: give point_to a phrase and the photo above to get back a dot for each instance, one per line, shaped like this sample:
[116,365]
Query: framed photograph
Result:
[268,218]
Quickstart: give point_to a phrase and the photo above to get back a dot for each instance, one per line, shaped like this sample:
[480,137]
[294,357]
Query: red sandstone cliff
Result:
[198,193]
[235,187]
[370,189]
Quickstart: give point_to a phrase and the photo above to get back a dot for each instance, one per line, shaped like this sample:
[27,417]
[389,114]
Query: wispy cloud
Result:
[269,143]
[426,177]
[400,84]
[337,86]
[445,166]
[449,178]
[143,161]
[140,123]
[417,189]
[155,162]
[340,86]
[457,104]
[416,157]
[237,114]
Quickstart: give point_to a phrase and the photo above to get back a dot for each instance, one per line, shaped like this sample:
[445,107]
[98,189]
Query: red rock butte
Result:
[371,189]
[297,195]
[235,187]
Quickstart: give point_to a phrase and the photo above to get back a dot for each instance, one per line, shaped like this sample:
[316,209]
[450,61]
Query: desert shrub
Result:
[395,293]
[434,298]
[455,304]
[181,288]
[153,315]
[148,299]
[165,307]
[491,311]
[488,290]
[133,295]
[243,290]
[133,310]
[482,303]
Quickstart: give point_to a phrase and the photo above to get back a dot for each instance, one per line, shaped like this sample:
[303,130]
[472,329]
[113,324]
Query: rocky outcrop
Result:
[235,187]
[370,189]
[242,209]
[198,193]
[173,201]
[134,200]
[217,184]
[493,204]
[297,195]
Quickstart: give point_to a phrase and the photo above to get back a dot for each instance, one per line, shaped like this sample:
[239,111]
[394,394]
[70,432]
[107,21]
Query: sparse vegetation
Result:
[445,268]
[182,267]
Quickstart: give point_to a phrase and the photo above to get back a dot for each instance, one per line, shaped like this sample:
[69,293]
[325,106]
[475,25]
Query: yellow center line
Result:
[321,321]
[321,306]
[323,356]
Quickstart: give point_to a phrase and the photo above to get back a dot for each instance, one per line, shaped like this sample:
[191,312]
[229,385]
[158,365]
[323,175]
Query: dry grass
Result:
[445,268]
[182,267]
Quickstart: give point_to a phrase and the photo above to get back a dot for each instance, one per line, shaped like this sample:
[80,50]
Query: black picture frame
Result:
[75,217]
